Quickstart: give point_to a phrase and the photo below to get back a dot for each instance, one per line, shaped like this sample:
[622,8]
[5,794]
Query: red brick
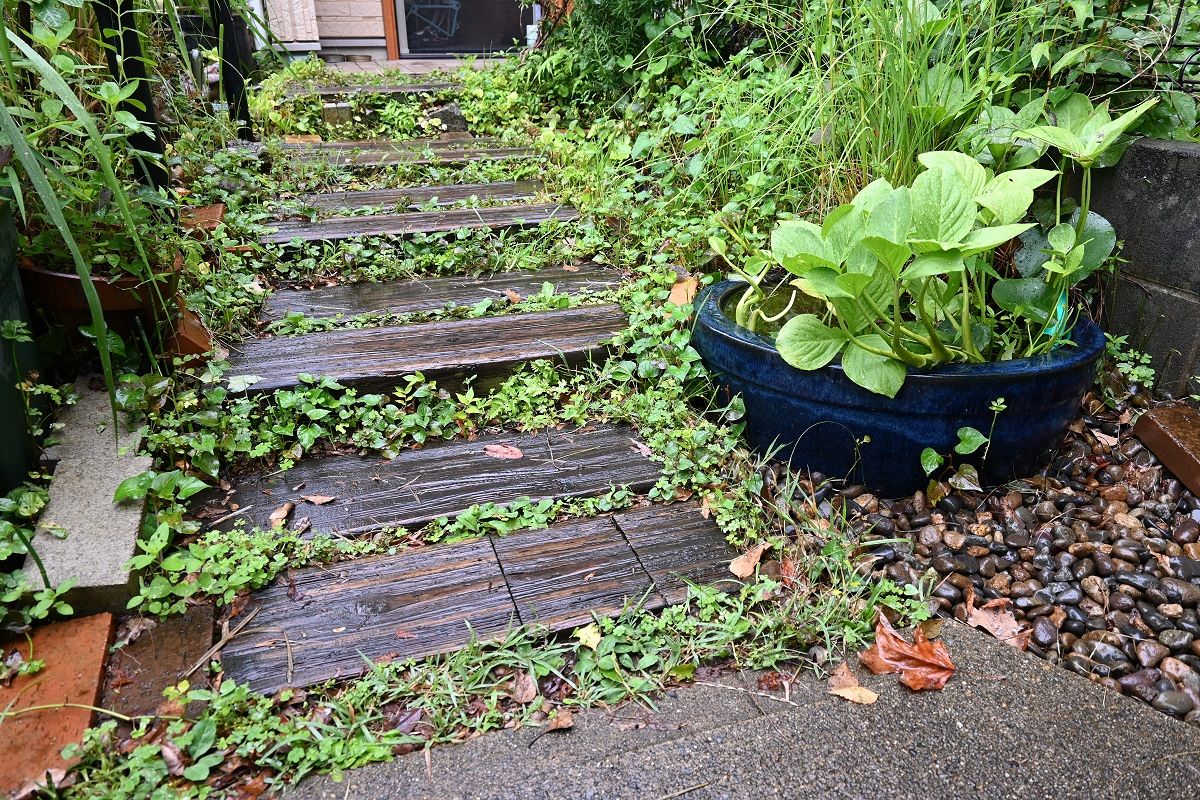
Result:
[1173,434]
[74,652]
[202,218]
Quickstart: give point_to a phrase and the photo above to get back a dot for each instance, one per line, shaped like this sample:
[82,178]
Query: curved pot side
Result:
[826,422]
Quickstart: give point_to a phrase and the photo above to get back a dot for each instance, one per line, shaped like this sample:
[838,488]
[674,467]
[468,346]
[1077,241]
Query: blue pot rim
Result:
[1087,336]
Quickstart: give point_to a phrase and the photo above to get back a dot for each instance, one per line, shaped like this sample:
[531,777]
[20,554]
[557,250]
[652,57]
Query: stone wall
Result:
[350,19]
[1152,198]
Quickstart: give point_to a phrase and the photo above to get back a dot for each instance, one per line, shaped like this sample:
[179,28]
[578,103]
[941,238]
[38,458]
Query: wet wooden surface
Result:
[378,157]
[327,622]
[380,357]
[408,224]
[447,141]
[694,551]
[445,478]
[394,89]
[402,297]
[561,576]
[417,196]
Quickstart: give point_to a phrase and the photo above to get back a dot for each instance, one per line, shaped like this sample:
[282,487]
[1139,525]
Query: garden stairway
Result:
[334,621]
[415,197]
[373,153]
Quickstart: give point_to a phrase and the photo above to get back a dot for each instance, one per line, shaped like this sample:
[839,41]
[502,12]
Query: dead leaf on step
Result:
[1105,439]
[641,448]
[513,297]
[503,451]
[132,629]
[570,268]
[932,627]
[684,291]
[922,664]
[588,636]
[995,617]
[318,499]
[280,515]
[524,688]
[842,683]
[743,566]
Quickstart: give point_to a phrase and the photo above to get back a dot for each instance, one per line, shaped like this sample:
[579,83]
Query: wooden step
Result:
[446,478]
[448,142]
[417,196]
[334,229]
[393,89]
[446,351]
[331,622]
[403,297]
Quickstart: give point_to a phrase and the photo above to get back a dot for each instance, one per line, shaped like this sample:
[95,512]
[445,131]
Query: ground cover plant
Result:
[667,134]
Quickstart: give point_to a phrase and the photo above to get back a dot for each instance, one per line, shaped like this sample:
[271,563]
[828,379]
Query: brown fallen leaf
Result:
[570,268]
[684,291]
[503,451]
[995,618]
[280,515]
[843,684]
[922,664]
[743,566]
[561,721]
[318,499]
[513,297]
[932,628]
[524,688]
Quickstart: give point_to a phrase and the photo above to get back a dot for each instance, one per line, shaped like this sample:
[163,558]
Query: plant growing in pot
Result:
[906,324]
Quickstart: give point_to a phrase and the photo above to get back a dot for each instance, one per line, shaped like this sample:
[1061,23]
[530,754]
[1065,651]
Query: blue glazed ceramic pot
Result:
[825,422]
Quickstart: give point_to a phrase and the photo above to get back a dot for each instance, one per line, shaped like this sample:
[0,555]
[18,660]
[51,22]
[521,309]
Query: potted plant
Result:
[909,323]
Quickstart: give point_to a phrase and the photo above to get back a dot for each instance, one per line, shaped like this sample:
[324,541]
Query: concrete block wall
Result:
[351,26]
[1152,198]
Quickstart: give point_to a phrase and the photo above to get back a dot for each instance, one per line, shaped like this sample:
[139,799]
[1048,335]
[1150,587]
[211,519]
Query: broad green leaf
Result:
[1107,133]
[927,265]
[807,343]
[1067,143]
[1061,237]
[871,195]
[891,218]
[981,240]
[943,210]
[873,372]
[969,440]
[843,231]
[798,242]
[823,282]
[1040,52]
[1073,111]
[1099,239]
[1029,297]
[1032,255]
[971,171]
[931,460]
[854,283]
[684,125]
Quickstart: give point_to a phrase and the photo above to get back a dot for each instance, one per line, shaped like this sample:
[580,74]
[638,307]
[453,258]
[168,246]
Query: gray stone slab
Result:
[1161,321]
[1006,726]
[101,536]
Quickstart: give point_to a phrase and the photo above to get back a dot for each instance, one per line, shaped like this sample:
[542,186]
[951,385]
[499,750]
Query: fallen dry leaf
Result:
[684,291]
[132,629]
[641,448]
[513,297]
[588,636]
[524,688]
[922,664]
[932,628]
[504,451]
[995,618]
[570,268]
[318,499]
[743,566]
[561,721]
[843,684]
[280,515]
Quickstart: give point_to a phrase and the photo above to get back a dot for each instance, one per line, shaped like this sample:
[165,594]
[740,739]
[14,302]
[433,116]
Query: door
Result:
[464,26]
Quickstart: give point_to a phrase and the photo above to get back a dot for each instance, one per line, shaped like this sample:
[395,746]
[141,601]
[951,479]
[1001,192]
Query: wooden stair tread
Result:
[402,297]
[446,478]
[414,222]
[386,89]
[435,143]
[380,357]
[326,622]
[376,157]
[420,195]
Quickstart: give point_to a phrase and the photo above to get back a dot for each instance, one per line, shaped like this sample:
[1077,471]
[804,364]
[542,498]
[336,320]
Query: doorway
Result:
[431,27]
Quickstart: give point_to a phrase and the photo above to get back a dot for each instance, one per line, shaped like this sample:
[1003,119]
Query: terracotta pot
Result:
[63,291]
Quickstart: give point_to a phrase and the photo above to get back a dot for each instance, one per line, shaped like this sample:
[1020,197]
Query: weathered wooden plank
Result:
[378,157]
[445,479]
[677,543]
[408,224]
[395,89]
[402,297]
[380,357]
[417,196]
[561,576]
[327,622]
[451,141]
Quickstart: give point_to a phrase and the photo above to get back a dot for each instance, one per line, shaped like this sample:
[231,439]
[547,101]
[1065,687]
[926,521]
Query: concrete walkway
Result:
[1006,726]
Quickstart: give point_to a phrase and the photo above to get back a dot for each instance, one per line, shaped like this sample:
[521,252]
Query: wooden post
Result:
[235,62]
[123,50]
[391,29]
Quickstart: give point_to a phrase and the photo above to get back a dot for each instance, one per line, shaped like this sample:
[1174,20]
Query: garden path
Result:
[328,622]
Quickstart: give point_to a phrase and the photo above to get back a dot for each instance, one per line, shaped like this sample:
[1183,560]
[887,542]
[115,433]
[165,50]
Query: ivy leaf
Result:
[931,460]
[969,440]
[240,383]
[807,343]
[943,208]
